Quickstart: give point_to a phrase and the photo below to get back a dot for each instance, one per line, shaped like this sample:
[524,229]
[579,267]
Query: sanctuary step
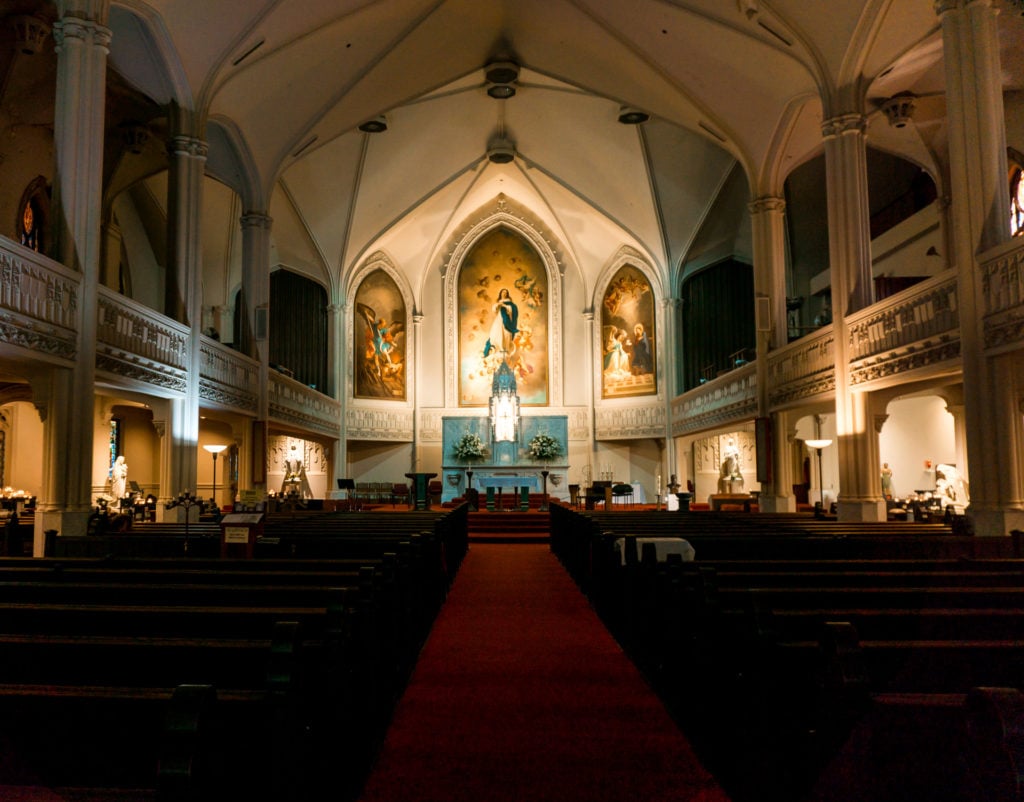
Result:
[532,526]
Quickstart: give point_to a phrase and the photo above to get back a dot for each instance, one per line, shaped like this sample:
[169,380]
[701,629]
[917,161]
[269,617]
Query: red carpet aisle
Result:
[521,694]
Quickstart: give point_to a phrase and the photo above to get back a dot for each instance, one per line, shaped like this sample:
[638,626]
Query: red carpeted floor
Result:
[521,694]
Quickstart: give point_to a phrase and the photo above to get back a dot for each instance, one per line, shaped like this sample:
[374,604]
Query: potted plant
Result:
[469,448]
[544,448]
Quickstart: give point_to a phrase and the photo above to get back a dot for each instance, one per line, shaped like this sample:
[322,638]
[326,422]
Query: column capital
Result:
[184,145]
[842,124]
[417,318]
[767,203]
[588,315]
[256,220]
[87,31]
[943,6]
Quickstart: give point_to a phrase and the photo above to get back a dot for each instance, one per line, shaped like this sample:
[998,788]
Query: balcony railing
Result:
[802,369]
[294,403]
[1002,270]
[228,377]
[926,311]
[725,399]
[39,299]
[134,330]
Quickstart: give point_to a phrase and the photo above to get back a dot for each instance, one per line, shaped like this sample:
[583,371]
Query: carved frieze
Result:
[386,425]
[623,423]
[926,354]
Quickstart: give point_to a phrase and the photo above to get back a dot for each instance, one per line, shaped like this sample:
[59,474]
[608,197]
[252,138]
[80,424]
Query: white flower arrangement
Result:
[544,447]
[469,447]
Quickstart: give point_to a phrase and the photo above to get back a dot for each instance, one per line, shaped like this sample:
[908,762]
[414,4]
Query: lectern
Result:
[419,488]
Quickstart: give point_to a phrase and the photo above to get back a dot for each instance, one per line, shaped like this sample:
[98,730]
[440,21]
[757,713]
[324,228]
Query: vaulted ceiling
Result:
[279,88]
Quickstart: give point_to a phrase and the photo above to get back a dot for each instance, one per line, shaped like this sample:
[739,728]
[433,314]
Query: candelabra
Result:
[187,501]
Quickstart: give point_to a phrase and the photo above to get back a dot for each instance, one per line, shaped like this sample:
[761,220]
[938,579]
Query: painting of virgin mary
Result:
[503,317]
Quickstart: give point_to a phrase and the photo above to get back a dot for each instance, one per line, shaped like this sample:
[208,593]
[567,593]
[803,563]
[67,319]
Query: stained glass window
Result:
[113,445]
[1017,201]
[29,227]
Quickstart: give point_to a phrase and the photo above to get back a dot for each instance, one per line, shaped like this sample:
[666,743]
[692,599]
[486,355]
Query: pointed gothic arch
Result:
[523,224]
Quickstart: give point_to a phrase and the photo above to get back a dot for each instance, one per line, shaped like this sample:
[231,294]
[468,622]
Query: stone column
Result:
[110,273]
[82,44]
[769,246]
[255,316]
[417,327]
[860,496]
[183,299]
[667,450]
[588,338]
[979,219]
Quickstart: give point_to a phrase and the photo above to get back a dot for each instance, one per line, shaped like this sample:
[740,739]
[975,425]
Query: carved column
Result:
[82,41]
[767,216]
[979,218]
[852,289]
[417,327]
[255,314]
[110,271]
[183,298]
[668,457]
[595,369]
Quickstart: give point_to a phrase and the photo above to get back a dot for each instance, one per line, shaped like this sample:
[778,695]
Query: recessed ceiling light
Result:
[375,126]
[501,91]
[631,116]
[502,72]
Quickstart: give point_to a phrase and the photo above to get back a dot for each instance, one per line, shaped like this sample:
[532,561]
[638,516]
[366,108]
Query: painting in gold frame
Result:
[379,338]
[503,316]
[628,366]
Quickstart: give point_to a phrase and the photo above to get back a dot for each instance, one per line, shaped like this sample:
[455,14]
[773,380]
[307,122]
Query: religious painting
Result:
[503,317]
[379,338]
[628,336]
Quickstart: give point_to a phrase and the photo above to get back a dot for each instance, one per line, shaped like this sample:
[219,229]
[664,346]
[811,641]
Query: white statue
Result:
[119,479]
[295,476]
[730,479]
[950,487]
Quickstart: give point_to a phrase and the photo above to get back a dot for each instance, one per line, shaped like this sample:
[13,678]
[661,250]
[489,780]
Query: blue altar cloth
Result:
[532,482]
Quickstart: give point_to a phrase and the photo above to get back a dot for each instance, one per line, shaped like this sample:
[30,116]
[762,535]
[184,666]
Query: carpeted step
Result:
[509,527]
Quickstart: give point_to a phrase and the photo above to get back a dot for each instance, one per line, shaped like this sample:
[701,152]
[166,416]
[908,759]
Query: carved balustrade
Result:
[726,399]
[802,369]
[294,403]
[1002,270]
[38,302]
[227,377]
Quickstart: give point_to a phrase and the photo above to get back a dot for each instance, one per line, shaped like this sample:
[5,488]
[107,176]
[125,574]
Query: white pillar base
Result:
[865,510]
[994,522]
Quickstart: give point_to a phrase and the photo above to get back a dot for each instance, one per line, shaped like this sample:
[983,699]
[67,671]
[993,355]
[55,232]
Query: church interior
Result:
[763,259]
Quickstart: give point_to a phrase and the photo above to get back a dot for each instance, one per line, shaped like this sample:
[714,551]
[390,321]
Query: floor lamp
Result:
[818,445]
[215,450]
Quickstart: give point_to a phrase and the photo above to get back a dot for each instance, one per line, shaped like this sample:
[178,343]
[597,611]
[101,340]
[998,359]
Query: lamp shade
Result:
[818,443]
[214,448]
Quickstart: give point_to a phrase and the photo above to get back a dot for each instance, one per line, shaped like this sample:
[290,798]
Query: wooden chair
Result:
[622,493]
[400,490]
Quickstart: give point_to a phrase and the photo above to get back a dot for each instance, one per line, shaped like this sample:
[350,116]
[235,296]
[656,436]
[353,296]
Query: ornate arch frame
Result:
[379,260]
[627,255]
[504,215]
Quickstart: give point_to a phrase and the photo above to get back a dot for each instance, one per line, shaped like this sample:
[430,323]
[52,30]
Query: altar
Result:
[483,482]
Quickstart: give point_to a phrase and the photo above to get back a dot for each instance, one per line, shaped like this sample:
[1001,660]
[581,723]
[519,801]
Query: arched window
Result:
[33,210]
[1016,200]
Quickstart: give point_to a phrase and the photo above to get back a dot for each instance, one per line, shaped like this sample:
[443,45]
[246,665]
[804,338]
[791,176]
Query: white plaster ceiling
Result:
[724,81]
